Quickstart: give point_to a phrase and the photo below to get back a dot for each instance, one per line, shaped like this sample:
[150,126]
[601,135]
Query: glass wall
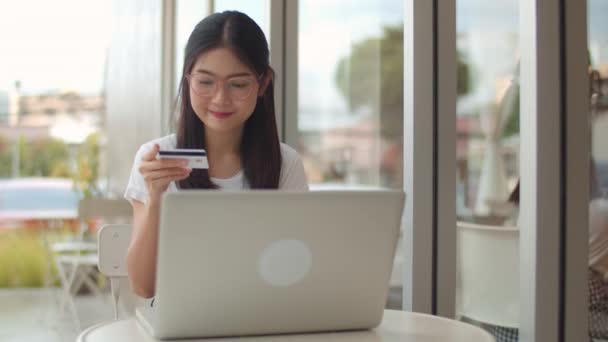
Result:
[598,208]
[52,103]
[350,99]
[487,154]
[258,10]
[52,132]
[598,55]
[188,13]
[487,109]
[350,92]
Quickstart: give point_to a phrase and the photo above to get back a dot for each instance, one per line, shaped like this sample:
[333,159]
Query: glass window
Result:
[487,154]
[52,102]
[487,108]
[187,14]
[598,206]
[52,129]
[258,10]
[350,100]
[598,54]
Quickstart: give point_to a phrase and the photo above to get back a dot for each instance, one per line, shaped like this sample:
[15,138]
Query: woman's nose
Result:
[221,94]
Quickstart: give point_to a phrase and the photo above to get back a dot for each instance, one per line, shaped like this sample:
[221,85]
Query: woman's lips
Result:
[220,115]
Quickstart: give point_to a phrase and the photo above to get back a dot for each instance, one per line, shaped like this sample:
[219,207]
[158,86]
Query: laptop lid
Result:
[267,262]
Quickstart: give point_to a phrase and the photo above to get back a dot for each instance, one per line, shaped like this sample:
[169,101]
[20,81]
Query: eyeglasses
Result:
[237,88]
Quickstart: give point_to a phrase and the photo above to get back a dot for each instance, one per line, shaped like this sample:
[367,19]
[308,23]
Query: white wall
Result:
[133,84]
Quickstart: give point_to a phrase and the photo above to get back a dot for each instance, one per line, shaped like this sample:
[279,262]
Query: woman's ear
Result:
[268,76]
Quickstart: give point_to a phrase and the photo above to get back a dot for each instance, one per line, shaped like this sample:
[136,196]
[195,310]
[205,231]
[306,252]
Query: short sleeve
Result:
[136,187]
[293,176]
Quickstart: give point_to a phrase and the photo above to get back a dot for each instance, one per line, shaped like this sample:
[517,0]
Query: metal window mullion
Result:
[446,158]
[418,132]
[577,151]
[167,67]
[290,72]
[540,203]
[277,54]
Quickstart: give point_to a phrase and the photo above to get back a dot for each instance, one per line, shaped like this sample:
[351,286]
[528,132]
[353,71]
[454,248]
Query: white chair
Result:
[487,287]
[113,243]
[76,260]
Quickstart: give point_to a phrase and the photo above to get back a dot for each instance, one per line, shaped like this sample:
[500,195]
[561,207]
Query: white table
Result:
[396,326]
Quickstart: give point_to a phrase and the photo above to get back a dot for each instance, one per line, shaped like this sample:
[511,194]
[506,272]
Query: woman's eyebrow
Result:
[203,71]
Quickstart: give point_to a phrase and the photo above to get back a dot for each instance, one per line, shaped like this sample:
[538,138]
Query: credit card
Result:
[197,158]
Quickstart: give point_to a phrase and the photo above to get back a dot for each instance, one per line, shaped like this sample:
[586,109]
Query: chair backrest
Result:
[488,273]
[106,208]
[109,210]
[112,245]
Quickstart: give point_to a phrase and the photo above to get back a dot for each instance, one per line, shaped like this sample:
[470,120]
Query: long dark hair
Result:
[260,146]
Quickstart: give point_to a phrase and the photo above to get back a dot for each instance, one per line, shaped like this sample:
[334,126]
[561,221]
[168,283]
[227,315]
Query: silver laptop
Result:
[271,262]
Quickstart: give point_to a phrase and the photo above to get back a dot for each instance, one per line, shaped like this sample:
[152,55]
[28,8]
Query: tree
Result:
[86,175]
[512,125]
[44,157]
[377,63]
[49,157]
[6,156]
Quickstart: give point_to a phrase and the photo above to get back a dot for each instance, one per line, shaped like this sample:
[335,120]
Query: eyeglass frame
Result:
[223,81]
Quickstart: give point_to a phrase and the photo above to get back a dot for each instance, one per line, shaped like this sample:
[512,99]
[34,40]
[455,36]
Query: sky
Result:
[328,29]
[58,44]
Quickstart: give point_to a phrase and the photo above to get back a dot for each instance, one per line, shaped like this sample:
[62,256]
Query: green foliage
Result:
[49,157]
[464,80]
[512,125]
[85,177]
[45,157]
[23,259]
[5,157]
[372,76]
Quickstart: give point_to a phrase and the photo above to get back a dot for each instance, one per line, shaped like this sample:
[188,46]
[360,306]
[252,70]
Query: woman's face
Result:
[223,91]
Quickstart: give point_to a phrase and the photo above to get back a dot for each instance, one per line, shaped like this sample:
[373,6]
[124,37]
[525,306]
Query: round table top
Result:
[396,326]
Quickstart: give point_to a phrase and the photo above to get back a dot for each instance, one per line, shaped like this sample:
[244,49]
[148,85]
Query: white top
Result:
[396,326]
[598,236]
[292,172]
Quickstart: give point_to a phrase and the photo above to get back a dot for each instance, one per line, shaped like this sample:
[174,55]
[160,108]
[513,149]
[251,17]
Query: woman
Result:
[227,108]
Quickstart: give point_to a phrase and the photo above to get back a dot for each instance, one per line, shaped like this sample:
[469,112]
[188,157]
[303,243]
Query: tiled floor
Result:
[32,315]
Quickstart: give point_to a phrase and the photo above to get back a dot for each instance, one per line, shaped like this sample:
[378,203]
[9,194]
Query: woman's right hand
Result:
[159,173]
